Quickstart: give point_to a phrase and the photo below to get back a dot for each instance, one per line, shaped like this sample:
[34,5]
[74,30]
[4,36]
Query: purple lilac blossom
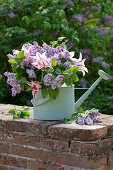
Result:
[110,77]
[67,65]
[101,30]
[15,53]
[79,18]
[95,113]
[88,121]
[97,60]
[85,1]
[31,73]
[57,81]
[70,44]
[69,2]
[47,79]
[83,83]
[85,53]
[108,20]
[105,65]
[11,15]
[80,120]
[13,82]
[37,32]
[96,119]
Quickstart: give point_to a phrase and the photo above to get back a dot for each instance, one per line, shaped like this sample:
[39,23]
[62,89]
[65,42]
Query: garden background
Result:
[86,24]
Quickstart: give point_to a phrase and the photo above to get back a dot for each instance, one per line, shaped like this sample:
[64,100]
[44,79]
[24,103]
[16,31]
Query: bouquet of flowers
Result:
[43,68]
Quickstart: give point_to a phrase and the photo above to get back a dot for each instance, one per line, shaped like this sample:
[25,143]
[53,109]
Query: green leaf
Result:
[25,114]
[44,93]
[55,92]
[12,111]
[58,71]
[21,54]
[53,43]
[54,63]
[25,108]
[12,61]
[14,67]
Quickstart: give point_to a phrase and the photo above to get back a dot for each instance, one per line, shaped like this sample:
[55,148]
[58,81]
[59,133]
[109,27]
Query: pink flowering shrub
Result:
[43,68]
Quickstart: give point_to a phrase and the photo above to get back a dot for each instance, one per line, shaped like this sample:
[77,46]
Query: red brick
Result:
[4,148]
[77,132]
[13,138]
[43,166]
[12,161]
[110,167]
[97,148]
[77,161]
[28,152]
[51,144]
[3,168]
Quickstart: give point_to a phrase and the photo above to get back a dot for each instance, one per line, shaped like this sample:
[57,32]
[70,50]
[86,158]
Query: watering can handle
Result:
[102,75]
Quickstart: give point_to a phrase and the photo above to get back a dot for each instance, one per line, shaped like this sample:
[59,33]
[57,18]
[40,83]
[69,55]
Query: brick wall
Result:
[27,144]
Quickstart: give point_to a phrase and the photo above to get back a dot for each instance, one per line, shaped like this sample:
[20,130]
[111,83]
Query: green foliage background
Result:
[53,19]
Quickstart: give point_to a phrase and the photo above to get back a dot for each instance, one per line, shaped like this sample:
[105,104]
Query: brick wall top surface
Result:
[55,129]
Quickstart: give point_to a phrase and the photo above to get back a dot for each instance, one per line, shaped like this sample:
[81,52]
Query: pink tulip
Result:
[41,61]
[35,87]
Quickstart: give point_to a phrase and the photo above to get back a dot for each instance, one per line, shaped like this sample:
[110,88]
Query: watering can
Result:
[64,105]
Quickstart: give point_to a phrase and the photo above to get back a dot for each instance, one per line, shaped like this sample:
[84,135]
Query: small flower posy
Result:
[43,68]
[88,117]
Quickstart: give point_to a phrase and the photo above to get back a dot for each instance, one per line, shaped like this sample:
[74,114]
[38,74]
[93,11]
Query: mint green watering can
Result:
[64,106]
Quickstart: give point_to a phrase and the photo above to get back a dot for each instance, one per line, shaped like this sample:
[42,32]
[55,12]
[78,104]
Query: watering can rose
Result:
[43,68]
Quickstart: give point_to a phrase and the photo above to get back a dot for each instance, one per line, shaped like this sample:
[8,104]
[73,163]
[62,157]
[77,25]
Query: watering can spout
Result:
[102,75]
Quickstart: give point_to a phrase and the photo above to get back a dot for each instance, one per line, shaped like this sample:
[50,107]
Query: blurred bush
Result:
[86,24]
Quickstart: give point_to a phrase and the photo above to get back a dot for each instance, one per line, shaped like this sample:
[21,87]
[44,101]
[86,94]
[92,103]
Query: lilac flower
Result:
[96,119]
[57,81]
[47,79]
[85,53]
[11,15]
[67,65]
[80,120]
[79,18]
[85,1]
[70,44]
[101,30]
[110,77]
[16,89]
[69,2]
[105,65]
[15,53]
[31,73]
[88,121]
[108,20]
[55,33]
[37,32]
[97,60]
[83,83]
[13,82]
[95,112]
